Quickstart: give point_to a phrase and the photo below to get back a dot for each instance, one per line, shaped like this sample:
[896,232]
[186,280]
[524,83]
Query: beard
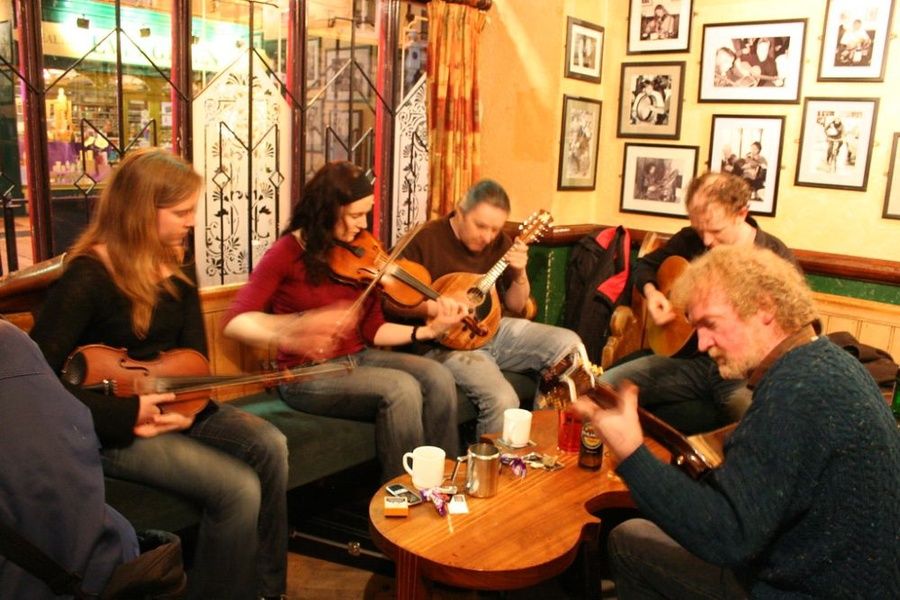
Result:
[736,367]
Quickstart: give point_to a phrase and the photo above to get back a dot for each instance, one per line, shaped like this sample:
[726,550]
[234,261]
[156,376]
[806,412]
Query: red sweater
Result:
[279,285]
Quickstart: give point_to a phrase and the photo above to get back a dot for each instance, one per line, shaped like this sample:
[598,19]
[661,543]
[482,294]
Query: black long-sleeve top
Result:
[85,307]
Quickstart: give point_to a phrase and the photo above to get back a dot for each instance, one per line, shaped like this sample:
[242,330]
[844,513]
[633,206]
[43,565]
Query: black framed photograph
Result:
[584,50]
[338,63]
[752,62]
[855,40]
[578,143]
[659,26]
[650,96]
[836,142]
[750,147]
[892,193]
[655,178]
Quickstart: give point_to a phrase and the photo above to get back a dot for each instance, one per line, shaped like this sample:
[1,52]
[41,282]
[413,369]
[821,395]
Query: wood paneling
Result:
[873,323]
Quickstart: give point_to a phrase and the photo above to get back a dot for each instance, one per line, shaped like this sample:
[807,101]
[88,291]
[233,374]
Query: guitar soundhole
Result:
[474,296]
[484,309]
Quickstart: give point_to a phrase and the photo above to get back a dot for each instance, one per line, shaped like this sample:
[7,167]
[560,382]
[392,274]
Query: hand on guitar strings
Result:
[445,313]
[517,256]
[316,333]
[658,305]
[152,421]
[618,423]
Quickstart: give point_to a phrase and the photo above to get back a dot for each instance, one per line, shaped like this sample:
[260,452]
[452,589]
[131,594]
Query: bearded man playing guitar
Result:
[471,240]
[687,390]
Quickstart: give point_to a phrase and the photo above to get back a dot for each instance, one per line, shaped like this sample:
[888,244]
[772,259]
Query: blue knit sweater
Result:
[807,502]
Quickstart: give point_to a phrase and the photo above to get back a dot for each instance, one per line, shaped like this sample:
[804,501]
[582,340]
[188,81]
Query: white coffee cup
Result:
[427,468]
[516,427]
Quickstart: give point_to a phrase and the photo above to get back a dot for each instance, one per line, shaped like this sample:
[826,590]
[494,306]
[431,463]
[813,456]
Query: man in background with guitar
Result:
[805,501]
[687,390]
[471,240]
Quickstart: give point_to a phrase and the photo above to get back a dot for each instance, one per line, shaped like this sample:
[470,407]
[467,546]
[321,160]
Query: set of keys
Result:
[548,462]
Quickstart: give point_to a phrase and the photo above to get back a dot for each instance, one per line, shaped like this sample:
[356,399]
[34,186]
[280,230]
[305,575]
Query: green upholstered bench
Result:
[317,446]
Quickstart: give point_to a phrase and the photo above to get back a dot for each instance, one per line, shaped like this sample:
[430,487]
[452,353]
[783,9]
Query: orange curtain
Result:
[454,128]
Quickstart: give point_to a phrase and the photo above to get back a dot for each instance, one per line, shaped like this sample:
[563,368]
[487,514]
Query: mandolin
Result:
[574,376]
[675,336]
[183,371]
[481,294]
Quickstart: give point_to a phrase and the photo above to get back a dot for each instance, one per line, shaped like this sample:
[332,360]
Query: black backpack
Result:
[597,282]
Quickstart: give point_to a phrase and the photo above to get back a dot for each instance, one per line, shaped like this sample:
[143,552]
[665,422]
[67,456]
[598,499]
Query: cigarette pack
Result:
[395,506]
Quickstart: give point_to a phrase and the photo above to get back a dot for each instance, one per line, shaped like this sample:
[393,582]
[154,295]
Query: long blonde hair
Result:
[125,220]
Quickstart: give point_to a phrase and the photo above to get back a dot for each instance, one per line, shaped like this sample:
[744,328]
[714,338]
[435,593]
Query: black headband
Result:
[360,188]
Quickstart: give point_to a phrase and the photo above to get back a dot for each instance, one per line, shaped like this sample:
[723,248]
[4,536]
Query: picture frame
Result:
[584,50]
[749,146]
[855,40]
[655,178]
[892,191]
[836,139]
[760,62]
[578,143]
[650,100]
[313,62]
[656,26]
[335,59]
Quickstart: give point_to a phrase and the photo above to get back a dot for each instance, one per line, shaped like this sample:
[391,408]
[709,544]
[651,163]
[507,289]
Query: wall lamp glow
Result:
[145,32]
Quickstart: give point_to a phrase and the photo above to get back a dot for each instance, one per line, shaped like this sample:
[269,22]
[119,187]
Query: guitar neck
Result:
[490,278]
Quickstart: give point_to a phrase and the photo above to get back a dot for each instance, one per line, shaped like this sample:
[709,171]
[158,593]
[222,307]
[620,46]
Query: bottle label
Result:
[589,438]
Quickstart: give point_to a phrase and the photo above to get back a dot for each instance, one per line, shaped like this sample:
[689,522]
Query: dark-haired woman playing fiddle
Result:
[412,399]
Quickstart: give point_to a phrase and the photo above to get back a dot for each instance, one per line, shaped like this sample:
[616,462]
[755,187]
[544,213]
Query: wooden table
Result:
[528,532]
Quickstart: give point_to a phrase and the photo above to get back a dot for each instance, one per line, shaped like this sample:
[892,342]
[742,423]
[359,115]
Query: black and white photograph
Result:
[659,26]
[584,50]
[892,192]
[750,147]
[578,144]
[655,178]
[855,41]
[650,99]
[836,142]
[337,60]
[752,62]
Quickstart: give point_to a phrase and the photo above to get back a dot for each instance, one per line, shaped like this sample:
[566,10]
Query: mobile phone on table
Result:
[401,491]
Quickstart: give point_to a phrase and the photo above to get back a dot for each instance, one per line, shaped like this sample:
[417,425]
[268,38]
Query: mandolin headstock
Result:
[535,226]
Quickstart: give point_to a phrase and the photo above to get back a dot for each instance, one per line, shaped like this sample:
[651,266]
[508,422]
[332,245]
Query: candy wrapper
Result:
[438,499]
[515,463]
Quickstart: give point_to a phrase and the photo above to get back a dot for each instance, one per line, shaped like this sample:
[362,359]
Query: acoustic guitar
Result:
[481,294]
[183,371]
[675,336]
[574,377]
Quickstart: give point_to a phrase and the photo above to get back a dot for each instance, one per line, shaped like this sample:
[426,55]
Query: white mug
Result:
[516,427]
[427,469]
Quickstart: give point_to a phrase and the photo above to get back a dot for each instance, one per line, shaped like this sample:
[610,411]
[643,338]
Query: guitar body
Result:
[486,310]
[673,337]
[112,371]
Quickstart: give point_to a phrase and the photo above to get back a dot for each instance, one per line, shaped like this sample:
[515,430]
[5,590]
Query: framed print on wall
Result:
[655,178]
[750,147]
[313,62]
[752,62]
[892,193]
[650,96]
[659,26]
[854,44]
[578,144]
[584,50]
[338,63]
[836,142]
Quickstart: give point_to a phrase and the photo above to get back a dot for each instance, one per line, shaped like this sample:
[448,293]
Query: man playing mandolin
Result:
[805,502]
[471,240]
[687,391]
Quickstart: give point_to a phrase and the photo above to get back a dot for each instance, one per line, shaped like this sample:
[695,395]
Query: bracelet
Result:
[412,336]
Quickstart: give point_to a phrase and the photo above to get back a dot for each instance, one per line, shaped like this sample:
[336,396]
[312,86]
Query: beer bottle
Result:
[591,454]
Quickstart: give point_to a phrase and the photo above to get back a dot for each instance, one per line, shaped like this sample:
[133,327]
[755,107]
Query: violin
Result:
[408,283]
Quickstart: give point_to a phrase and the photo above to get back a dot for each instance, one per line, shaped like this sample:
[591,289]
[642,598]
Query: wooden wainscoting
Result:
[874,323]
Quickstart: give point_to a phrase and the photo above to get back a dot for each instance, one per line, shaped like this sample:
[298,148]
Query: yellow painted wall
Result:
[522,88]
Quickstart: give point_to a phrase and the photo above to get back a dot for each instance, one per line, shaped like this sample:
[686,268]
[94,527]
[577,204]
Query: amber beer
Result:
[591,454]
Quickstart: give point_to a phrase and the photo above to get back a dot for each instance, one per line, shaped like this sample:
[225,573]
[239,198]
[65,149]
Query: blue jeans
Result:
[411,399]
[234,465]
[518,346]
[687,393]
[648,564]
